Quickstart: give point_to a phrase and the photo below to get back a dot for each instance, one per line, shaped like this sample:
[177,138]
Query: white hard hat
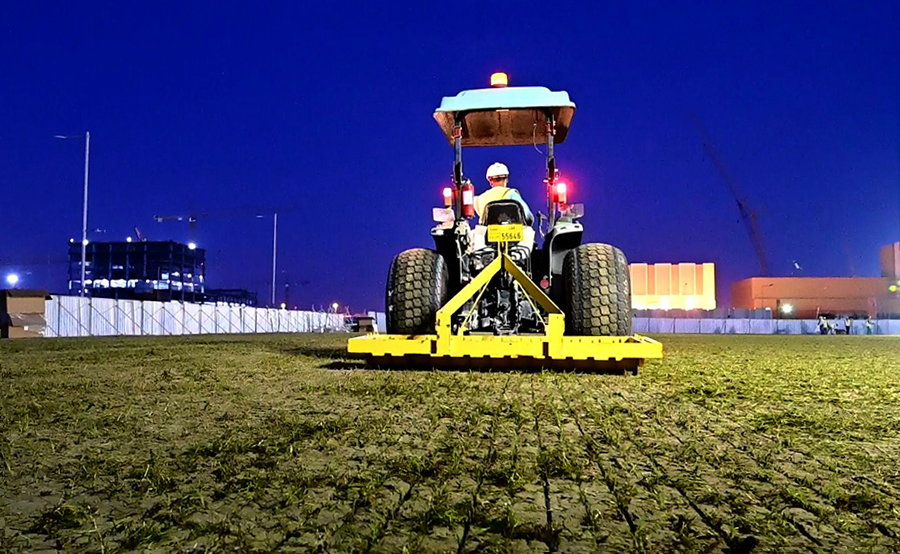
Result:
[497,170]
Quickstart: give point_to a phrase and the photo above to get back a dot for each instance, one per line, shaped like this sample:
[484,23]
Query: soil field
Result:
[278,443]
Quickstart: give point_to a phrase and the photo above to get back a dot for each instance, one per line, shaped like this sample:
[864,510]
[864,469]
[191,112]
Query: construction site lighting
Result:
[192,246]
[127,239]
[787,309]
[283,305]
[12,279]
[85,242]
[335,306]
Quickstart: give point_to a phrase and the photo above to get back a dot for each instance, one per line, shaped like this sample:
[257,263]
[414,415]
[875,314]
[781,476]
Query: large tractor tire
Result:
[417,287]
[598,291]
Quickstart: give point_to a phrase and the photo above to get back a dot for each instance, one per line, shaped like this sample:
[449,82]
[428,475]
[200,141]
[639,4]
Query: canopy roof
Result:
[507,116]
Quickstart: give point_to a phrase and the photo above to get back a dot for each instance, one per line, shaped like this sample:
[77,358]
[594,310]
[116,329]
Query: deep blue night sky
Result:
[327,111]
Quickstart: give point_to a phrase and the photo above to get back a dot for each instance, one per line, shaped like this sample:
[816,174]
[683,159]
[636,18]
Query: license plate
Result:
[506,233]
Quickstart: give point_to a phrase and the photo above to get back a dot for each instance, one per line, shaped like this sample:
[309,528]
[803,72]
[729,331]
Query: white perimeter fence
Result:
[754,326]
[73,316]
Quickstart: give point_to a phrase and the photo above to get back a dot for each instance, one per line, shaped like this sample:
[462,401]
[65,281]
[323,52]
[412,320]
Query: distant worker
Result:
[823,325]
[498,177]
[848,323]
[870,326]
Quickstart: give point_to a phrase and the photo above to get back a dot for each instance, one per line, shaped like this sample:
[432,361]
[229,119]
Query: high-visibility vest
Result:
[492,195]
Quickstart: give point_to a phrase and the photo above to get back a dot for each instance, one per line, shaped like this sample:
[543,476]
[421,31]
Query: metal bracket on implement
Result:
[551,350]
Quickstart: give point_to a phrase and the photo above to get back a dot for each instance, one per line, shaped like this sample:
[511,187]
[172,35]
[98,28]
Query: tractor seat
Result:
[500,212]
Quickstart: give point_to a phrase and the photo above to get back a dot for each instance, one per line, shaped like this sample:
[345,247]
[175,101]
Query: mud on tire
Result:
[417,286]
[598,291]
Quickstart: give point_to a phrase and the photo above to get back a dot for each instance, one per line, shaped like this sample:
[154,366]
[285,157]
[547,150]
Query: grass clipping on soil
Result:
[271,443]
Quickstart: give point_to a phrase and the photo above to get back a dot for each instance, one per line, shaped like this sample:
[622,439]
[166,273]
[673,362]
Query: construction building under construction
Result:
[145,270]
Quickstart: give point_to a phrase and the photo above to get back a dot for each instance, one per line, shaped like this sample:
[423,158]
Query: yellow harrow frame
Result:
[551,350]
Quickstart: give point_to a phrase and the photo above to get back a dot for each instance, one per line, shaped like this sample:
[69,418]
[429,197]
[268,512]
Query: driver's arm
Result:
[515,195]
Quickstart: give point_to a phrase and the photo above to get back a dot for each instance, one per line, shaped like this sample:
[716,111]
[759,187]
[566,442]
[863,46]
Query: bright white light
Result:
[127,239]
[71,241]
[192,246]
[12,279]
[85,242]
[283,305]
[335,306]
[787,308]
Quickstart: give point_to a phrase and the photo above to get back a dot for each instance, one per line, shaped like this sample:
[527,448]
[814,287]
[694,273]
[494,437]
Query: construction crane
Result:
[259,214]
[191,219]
[748,215]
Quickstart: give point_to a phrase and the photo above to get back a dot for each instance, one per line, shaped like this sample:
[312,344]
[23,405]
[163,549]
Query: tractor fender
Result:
[562,239]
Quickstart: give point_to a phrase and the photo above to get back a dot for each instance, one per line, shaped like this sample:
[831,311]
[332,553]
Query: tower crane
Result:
[748,215]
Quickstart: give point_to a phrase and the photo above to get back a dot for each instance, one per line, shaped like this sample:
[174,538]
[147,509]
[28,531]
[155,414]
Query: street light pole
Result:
[274,253]
[84,211]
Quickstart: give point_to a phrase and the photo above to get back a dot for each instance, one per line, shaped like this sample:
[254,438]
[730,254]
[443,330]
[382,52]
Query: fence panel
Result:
[73,313]
[712,326]
[207,319]
[51,314]
[173,318]
[128,317]
[688,326]
[102,317]
[762,326]
[191,318]
[662,325]
[638,325]
[152,318]
[248,320]
[889,327]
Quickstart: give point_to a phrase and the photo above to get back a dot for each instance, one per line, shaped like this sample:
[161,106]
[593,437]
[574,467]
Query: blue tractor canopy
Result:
[507,116]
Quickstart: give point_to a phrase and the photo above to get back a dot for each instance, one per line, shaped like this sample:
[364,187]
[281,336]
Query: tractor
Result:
[488,294]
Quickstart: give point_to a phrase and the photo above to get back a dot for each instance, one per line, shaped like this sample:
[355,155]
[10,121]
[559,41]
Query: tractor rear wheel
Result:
[598,291]
[417,287]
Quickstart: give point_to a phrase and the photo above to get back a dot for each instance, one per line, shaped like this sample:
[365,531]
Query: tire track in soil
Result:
[359,503]
[820,495]
[597,527]
[595,455]
[551,533]
[512,511]
[376,540]
[797,525]
[488,463]
[669,477]
[886,489]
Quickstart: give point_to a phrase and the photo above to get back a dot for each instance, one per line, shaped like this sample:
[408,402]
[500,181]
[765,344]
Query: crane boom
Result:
[191,219]
[748,215]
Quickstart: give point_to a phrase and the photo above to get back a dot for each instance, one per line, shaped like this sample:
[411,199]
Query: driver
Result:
[498,177]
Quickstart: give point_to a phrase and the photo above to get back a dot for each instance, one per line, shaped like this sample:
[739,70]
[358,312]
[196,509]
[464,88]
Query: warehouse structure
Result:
[665,286]
[810,297]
